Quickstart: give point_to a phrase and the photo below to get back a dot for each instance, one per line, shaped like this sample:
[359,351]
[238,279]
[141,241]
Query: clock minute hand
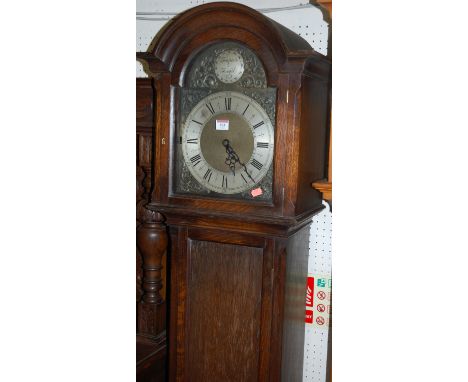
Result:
[233,158]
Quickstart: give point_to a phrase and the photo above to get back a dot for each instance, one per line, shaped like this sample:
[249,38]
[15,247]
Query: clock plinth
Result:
[240,133]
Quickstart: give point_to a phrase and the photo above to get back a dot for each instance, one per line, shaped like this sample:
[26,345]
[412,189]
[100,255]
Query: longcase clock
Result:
[240,134]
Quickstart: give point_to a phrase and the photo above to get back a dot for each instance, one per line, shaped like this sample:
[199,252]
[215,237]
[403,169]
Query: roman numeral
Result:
[262,145]
[246,109]
[207,175]
[259,124]
[256,164]
[195,140]
[227,103]
[224,182]
[195,159]
[210,107]
[197,122]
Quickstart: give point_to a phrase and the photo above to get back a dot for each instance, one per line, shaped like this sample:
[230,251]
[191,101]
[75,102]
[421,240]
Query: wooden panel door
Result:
[224,302]
[225,295]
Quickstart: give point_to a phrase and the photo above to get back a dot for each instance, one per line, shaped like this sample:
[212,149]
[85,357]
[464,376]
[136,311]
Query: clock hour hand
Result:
[233,158]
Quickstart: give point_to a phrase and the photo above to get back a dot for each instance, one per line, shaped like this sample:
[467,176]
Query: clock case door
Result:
[301,77]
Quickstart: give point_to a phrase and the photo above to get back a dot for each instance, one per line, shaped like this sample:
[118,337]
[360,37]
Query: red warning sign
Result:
[321,308]
[318,301]
[310,292]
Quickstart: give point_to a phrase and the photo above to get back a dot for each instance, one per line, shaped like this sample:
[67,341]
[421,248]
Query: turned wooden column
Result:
[152,241]
[143,186]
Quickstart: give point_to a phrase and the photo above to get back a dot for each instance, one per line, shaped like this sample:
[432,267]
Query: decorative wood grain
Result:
[224,306]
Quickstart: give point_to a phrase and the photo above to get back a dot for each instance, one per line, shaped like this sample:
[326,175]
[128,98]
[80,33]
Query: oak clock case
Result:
[236,95]
[225,128]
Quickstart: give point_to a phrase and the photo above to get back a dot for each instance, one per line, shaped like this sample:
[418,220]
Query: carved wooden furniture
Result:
[151,247]
[237,265]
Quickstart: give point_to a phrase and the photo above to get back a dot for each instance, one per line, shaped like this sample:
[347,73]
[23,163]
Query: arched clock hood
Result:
[280,49]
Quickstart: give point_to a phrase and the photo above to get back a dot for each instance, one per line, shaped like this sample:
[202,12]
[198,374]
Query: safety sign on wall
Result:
[318,301]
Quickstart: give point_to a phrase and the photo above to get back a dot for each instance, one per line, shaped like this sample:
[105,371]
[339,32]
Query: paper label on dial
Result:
[256,192]
[222,124]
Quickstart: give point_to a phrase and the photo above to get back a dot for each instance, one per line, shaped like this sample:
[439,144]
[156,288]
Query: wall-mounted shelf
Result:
[325,187]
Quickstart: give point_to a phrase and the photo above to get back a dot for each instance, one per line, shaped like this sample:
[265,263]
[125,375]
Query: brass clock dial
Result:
[225,126]
[228,142]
